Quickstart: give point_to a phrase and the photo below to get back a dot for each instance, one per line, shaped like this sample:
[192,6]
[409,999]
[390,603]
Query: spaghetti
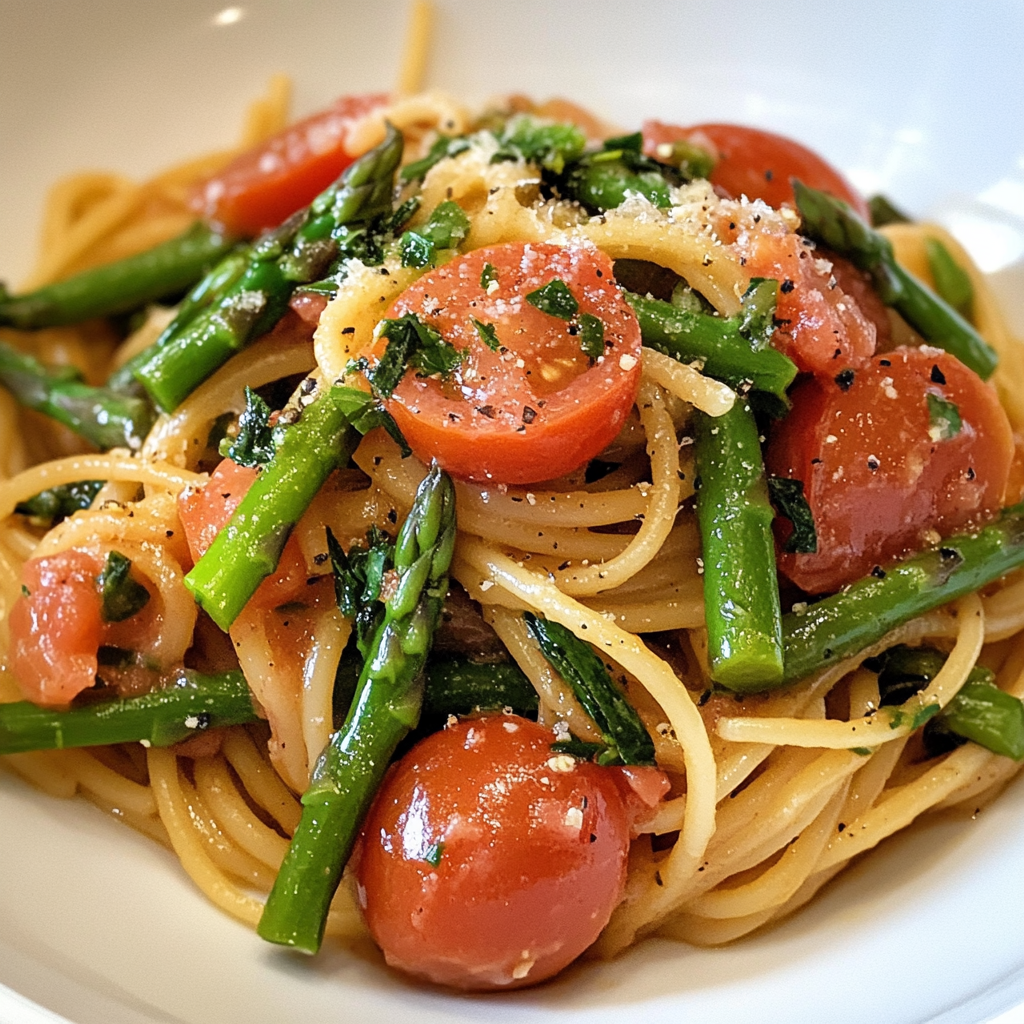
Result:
[769,796]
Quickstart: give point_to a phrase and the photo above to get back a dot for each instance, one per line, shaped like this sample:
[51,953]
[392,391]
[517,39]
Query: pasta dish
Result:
[504,535]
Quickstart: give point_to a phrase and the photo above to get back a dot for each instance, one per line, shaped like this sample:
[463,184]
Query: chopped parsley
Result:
[788,498]
[488,334]
[56,503]
[433,854]
[555,299]
[551,146]
[358,580]
[446,228]
[944,417]
[591,335]
[122,596]
[488,275]
[254,444]
[757,314]
[411,343]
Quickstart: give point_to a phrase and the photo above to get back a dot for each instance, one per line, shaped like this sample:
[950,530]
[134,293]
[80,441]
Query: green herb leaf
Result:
[122,596]
[444,146]
[788,498]
[692,161]
[591,336]
[254,444]
[411,343]
[447,226]
[433,854]
[757,315]
[358,579]
[416,251]
[550,145]
[985,714]
[49,507]
[488,275]
[952,282]
[622,731]
[634,143]
[944,417]
[488,334]
[555,299]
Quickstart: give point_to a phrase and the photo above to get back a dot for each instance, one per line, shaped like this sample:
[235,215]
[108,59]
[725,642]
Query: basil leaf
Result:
[411,343]
[254,444]
[757,314]
[555,299]
[488,275]
[416,251]
[122,596]
[447,226]
[788,498]
[488,334]
[944,417]
[591,336]
[49,507]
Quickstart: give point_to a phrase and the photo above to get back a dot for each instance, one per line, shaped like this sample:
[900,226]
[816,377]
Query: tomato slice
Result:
[756,163]
[204,512]
[489,861]
[263,186]
[539,406]
[911,446]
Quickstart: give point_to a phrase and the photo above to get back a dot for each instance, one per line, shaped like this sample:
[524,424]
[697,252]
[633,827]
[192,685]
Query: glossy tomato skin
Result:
[883,475]
[539,407]
[263,186]
[489,861]
[757,164]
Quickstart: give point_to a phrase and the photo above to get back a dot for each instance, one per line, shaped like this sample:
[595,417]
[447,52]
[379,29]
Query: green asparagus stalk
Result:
[831,222]
[459,686]
[102,416]
[992,718]
[247,550]
[721,344]
[741,593]
[861,614]
[190,704]
[302,250]
[165,270]
[387,705]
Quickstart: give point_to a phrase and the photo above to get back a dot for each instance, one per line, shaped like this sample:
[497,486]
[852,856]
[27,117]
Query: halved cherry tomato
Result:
[489,861]
[206,511]
[266,184]
[757,164]
[538,407]
[912,446]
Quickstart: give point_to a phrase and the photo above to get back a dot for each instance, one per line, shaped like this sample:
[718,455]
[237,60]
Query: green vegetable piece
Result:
[831,222]
[358,578]
[122,596]
[416,251]
[411,343]
[551,146]
[555,299]
[862,613]
[458,686]
[952,282]
[447,226]
[49,507]
[788,498]
[990,717]
[247,550]
[690,160]
[488,334]
[386,706]
[190,703]
[254,445]
[884,212]
[488,275]
[944,417]
[757,315]
[741,593]
[718,343]
[444,146]
[591,335]
[626,739]
[160,272]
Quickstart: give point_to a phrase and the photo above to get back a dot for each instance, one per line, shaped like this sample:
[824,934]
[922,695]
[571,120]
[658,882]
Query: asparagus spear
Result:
[162,271]
[831,222]
[247,550]
[626,740]
[722,344]
[100,415]
[864,612]
[741,595]
[302,250]
[190,704]
[387,705]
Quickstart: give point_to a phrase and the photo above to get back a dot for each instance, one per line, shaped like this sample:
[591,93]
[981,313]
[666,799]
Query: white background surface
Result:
[921,100]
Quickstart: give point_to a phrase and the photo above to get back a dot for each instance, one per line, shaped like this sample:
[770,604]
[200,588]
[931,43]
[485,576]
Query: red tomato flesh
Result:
[539,407]
[204,512]
[489,861]
[263,186]
[757,164]
[882,473]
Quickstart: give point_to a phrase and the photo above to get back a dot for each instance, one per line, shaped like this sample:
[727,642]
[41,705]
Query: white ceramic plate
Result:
[920,99]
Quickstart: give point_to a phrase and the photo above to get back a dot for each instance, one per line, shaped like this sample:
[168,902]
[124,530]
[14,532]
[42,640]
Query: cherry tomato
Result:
[757,164]
[205,512]
[539,406]
[909,447]
[263,186]
[489,861]
[820,327]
